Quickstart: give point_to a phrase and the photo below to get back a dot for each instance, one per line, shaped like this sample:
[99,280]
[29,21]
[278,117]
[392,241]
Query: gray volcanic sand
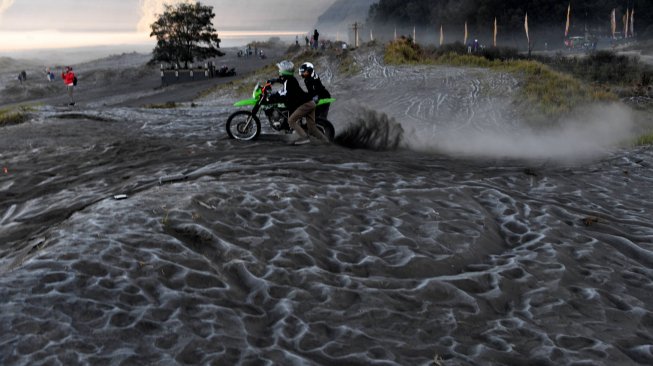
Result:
[118,80]
[450,250]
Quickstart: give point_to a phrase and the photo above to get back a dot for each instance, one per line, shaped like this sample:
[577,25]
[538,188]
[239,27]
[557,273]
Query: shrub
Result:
[644,140]
[13,116]
[604,67]
[402,51]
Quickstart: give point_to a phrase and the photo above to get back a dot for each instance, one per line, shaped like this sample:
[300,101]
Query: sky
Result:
[58,24]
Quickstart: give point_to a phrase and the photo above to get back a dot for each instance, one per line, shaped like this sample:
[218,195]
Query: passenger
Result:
[315,88]
[299,104]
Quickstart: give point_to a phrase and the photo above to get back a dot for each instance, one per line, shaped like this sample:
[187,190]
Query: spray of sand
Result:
[586,134]
[589,133]
[371,130]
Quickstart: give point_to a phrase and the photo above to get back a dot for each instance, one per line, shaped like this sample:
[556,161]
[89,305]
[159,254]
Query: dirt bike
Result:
[246,125]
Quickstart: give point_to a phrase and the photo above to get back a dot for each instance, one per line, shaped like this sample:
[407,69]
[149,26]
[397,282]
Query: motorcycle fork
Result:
[255,111]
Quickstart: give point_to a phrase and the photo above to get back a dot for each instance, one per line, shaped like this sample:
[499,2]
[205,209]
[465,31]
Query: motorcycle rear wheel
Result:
[326,128]
[243,125]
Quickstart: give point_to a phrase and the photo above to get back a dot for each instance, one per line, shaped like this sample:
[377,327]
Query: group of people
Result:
[22,76]
[300,103]
[67,75]
[248,52]
[314,41]
[473,47]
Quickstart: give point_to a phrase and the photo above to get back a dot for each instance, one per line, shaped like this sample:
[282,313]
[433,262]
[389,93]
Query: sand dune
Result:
[454,249]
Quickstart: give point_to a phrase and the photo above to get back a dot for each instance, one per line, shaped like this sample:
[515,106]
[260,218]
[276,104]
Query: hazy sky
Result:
[29,24]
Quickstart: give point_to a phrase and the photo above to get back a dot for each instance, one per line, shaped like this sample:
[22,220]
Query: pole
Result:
[356,28]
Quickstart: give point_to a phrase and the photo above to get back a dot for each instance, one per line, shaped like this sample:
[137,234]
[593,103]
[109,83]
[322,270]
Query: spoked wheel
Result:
[243,125]
[326,128]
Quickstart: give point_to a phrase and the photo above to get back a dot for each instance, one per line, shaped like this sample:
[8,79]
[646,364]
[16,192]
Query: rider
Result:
[315,88]
[298,102]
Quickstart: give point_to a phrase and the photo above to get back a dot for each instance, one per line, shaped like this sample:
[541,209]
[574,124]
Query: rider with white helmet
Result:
[315,87]
[298,102]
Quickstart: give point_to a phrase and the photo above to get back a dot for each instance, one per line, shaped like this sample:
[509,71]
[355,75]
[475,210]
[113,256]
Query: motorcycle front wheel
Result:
[326,128]
[243,125]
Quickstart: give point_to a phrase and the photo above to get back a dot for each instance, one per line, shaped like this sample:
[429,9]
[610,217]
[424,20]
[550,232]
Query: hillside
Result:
[343,13]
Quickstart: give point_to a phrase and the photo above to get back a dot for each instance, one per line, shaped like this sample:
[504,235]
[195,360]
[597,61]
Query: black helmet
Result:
[306,66]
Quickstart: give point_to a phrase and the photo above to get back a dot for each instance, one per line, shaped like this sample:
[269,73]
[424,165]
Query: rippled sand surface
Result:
[260,253]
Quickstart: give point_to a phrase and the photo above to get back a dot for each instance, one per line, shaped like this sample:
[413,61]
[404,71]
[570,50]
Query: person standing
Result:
[316,37]
[69,79]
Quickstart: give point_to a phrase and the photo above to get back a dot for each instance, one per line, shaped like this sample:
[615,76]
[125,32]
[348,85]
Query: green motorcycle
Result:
[246,124]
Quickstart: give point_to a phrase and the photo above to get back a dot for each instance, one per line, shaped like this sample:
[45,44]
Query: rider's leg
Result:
[312,126]
[296,116]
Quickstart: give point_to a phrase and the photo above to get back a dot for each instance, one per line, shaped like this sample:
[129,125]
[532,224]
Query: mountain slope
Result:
[343,13]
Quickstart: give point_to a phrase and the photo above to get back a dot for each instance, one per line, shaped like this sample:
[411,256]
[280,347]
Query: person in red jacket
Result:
[68,77]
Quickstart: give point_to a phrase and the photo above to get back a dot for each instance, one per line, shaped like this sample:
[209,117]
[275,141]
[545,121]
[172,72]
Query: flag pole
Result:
[495,32]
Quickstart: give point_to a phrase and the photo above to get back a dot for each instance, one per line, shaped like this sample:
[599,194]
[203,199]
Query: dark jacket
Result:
[292,95]
[315,87]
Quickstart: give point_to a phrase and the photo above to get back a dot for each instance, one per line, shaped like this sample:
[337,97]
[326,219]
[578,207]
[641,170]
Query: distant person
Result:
[49,74]
[316,38]
[299,103]
[469,47]
[307,40]
[315,88]
[297,40]
[69,79]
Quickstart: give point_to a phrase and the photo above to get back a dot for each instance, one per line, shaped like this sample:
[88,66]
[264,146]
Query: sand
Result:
[453,249]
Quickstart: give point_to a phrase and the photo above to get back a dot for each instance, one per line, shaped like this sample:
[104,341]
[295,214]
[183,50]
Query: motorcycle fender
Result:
[245,102]
[326,101]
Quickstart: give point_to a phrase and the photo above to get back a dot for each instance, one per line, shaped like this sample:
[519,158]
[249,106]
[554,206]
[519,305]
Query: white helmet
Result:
[306,66]
[286,68]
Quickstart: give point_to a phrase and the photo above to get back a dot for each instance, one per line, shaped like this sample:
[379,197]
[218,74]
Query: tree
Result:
[184,33]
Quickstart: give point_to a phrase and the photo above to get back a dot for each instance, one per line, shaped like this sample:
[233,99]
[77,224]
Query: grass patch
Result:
[604,67]
[347,65]
[646,139]
[404,51]
[14,116]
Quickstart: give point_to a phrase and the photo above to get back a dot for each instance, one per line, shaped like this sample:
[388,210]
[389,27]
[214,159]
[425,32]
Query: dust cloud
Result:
[4,5]
[151,8]
[587,133]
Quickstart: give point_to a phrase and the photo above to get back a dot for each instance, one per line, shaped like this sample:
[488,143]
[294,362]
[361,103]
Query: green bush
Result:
[13,116]
[403,51]
[644,140]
